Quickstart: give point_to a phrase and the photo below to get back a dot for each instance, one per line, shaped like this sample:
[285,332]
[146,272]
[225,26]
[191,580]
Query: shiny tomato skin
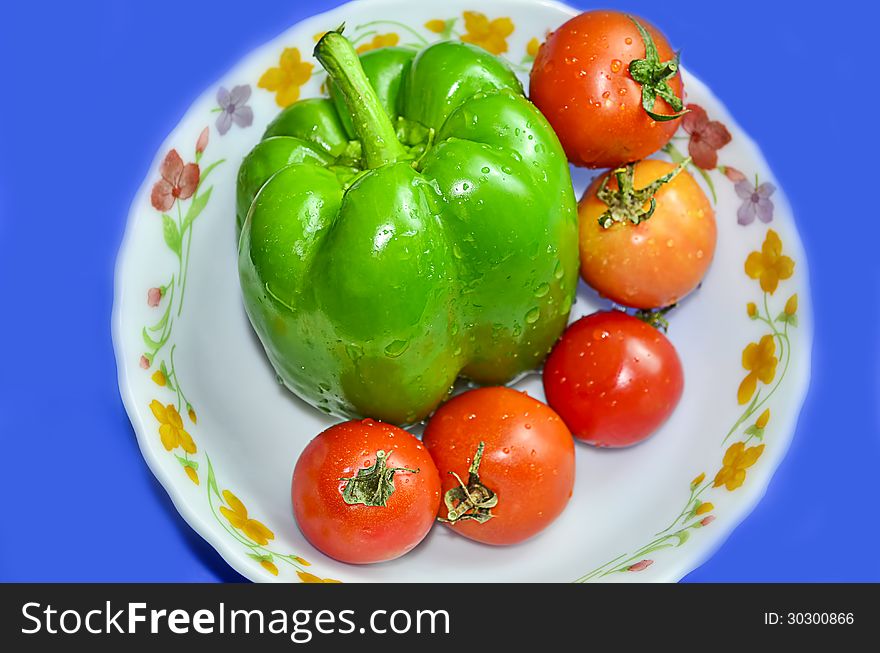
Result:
[528,460]
[659,261]
[613,378]
[361,534]
[580,81]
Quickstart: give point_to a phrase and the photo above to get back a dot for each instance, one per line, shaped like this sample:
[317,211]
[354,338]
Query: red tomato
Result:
[525,471]
[613,379]
[348,502]
[658,261]
[581,81]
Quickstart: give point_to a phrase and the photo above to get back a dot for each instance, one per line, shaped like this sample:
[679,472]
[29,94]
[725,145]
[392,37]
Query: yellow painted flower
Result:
[379,41]
[763,419]
[736,461]
[286,79]
[532,47]
[238,517]
[192,415]
[791,305]
[159,378]
[769,265]
[759,359]
[306,577]
[436,25]
[489,35]
[704,508]
[699,479]
[302,561]
[171,428]
[269,566]
[192,473]
[752,310]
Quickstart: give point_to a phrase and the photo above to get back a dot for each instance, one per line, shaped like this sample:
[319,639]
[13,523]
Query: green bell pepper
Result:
[417,225]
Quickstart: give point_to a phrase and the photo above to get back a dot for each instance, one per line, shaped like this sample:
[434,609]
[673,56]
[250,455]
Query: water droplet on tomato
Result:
[616,65]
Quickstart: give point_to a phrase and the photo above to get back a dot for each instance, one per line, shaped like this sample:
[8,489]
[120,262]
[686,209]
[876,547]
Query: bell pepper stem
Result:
[371,124]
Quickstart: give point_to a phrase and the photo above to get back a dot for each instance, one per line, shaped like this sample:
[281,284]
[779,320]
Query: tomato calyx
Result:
[655,317]
[471,501]
[627,203]
[653,75]
[372,486]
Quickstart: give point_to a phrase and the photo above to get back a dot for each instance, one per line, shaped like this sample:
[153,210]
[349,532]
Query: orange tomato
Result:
[660,260]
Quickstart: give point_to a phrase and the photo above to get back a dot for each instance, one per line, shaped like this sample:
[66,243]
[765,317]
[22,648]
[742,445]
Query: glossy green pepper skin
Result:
[418,225]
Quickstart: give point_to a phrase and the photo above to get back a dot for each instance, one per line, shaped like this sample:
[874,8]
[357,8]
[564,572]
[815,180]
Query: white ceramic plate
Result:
[184,345]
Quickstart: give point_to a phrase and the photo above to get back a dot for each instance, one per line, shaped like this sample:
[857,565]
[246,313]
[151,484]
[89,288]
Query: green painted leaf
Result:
[756,431]
[187,463]
[199,202]
[149,342]
[785,318]
[678,157]
[171,234]
[160,325]
[212,481]
[168,377]
[260,558]
[207,171]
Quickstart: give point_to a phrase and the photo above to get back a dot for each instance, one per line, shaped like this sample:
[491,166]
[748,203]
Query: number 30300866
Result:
[808,618]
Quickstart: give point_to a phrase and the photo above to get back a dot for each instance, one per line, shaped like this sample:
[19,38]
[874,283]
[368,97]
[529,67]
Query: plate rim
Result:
[675,569]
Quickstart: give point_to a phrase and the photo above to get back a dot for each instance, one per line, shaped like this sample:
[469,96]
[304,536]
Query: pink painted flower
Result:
[202,143]
[154,296]
[732,173]
[641,565]
[178,182]
[707,137]
[145,362]
[708,519]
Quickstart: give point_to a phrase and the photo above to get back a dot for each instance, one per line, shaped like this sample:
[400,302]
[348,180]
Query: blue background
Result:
[90,90]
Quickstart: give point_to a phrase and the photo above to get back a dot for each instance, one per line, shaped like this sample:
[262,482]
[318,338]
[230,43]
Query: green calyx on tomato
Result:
[656,318]
[471,501]
[627,203]
[372,486]
[653,75]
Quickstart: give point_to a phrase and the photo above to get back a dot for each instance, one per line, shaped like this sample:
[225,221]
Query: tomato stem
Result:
[372,486]
[656,318]
[627,203]
[653,75]
[471,501]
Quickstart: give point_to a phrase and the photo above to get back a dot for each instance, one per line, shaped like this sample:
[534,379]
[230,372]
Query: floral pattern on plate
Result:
[180,193]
